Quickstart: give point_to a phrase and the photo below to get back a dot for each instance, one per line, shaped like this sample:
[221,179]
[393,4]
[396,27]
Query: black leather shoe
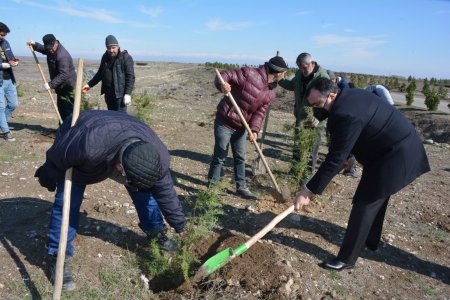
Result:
[336,265]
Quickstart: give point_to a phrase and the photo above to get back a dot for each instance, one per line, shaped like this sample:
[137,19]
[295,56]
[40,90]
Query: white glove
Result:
[6,66]
[46,86]
[31,43]
[127,99]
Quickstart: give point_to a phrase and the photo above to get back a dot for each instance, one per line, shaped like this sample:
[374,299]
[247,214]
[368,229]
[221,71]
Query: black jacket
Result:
[60,67]
[91,147]
[382,140]
[122,72]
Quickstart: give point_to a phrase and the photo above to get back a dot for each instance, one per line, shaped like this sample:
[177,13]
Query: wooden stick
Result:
[239,112]
[57,289]
[269,227]
[45,81]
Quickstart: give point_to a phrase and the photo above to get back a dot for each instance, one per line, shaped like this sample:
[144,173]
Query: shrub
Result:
[409,98]
[144,105]
[173,270]
[432,100]
[84,104]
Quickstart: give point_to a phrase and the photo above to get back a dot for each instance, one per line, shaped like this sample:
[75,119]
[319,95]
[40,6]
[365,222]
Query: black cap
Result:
[142,165]
[49,40]
[111,41]
[277,65]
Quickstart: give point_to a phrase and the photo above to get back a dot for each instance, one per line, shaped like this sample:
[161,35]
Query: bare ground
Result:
[413,262]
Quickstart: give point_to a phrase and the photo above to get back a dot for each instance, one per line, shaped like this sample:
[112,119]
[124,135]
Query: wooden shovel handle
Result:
[269,227]
[67,191]
[241,116]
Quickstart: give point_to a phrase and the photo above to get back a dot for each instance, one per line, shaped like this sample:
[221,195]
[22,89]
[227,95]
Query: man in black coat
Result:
[116,72]
[62,72]
[387,146]
[110,144]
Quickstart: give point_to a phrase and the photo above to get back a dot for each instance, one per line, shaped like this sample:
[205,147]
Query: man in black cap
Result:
[110,144]
[116,72]
[252,88]
[62,72]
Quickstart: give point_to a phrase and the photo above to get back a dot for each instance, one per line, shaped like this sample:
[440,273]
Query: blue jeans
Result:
[151,220]
[223,137]
[8,103]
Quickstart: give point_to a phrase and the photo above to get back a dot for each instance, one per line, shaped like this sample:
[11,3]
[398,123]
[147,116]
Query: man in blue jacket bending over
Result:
[110,144]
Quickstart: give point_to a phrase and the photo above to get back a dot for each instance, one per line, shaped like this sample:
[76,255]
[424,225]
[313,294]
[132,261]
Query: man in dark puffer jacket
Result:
[252,90]
[109,144]
[116,72]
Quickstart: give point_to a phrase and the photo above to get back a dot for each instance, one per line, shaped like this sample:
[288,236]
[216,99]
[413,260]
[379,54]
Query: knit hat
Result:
[48,40]
[111,41]
[142,165]
[304,58]
[276,65]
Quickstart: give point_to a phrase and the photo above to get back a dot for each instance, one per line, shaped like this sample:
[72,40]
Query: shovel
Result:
[286,193]
[45,81]
[258,167]
[224,256]
[57,289]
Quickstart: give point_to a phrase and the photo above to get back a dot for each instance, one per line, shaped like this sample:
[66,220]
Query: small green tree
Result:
[410,92]
[402,88]
[426,87]
[442,92]
[432,100]
[19,90]
[410,78]
[144,105]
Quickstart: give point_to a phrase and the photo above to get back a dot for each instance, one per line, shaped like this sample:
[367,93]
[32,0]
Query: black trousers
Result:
[364,228]
[64,100]
[114,103]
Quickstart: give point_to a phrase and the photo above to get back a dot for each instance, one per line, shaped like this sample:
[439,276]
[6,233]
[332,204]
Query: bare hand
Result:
[85,88]
[253,137]
[226,88]
[302,199]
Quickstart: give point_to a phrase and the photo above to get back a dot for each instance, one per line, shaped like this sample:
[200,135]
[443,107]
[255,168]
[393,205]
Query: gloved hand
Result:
[85,88]
[312,123]
[46,86]
[45,180]
[13,63]
[6,66]
[127,99]
[31,43]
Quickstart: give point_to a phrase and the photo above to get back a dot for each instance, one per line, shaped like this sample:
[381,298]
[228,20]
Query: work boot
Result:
[8,137]
[68,283]
[246,194]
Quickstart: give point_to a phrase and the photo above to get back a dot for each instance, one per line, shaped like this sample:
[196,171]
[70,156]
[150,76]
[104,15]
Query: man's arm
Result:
[99,75]
[164,193]
[129,75]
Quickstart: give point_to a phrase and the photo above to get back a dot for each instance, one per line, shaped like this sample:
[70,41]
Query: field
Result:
[412,263]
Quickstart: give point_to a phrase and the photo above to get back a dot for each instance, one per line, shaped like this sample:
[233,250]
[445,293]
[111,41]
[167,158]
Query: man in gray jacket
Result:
[116,72]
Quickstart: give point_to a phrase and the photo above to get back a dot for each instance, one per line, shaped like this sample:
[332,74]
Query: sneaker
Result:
[351,172]
[68,283]
[246,194]
[165,243]
[8,137]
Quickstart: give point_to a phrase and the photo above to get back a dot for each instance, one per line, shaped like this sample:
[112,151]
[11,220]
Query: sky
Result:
[384,37]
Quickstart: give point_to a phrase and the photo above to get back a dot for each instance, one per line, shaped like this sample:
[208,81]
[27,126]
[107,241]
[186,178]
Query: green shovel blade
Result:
[219,260]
